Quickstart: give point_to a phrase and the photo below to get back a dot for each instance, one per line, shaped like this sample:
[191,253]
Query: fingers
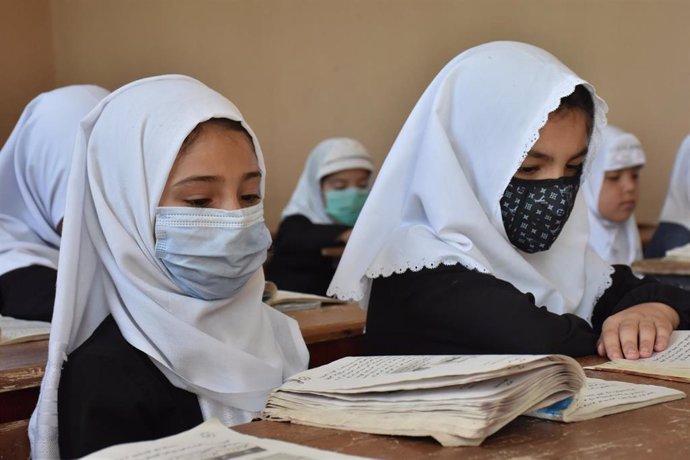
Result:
[663,335]
[635,333]
[649,331]
[628,334]
[610,340]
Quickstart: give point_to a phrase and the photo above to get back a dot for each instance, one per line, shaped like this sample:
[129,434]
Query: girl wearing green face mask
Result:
[344,194]
[324,206]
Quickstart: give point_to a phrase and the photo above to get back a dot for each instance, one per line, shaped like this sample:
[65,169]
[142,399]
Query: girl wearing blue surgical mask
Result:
[158,320]
[475,238]
[325,205]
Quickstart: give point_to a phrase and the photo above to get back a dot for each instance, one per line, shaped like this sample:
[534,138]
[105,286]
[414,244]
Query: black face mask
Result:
[535,211]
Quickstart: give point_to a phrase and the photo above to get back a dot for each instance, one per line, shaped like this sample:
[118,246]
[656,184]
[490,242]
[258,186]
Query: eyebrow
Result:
[189,179]
[251,175]
[544,156]
[213,179]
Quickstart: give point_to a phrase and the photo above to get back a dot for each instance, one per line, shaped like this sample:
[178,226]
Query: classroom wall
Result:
[301,70]
[26,47]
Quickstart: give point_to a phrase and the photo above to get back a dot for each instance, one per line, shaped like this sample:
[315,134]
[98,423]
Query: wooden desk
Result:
[332,331]
[21,370]
[674,272]
[329,332]
[661,267]
[661,432]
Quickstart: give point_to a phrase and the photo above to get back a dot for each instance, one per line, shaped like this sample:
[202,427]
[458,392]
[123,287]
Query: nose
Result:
[629,183]
[557,171]
[231,203]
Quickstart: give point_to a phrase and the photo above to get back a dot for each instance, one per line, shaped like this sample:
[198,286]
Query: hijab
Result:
[677,205]
[436,199]
[230,352]
[328,157]
[615,242]
[34,164]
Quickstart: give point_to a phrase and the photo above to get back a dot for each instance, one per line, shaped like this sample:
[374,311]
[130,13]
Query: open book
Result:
[212,441]
[670,364]
[458,400]
[290,301]
[681,253]
[14,330]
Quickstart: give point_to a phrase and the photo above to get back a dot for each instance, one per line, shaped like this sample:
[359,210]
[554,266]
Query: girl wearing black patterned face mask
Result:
[475,239]
[538,200]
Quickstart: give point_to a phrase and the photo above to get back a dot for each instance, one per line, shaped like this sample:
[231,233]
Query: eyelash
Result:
[205,202]
[528,169]
[534,169]
[198,203]
[251,198]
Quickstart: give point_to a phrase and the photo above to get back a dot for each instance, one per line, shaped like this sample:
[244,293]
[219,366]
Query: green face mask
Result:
[345,205]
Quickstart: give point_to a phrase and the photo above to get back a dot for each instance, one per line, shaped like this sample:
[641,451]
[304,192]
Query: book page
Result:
[281,297]
[456,399]
[670,364]
[681,253]
[389,373]
[604,397]
[211,441]
[13,330]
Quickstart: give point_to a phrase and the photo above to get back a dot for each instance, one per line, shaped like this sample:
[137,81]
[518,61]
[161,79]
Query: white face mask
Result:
[211,253]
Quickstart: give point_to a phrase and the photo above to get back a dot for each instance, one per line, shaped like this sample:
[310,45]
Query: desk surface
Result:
[661,431]
[330,322]
[21,370]
[22,365]
[661,267]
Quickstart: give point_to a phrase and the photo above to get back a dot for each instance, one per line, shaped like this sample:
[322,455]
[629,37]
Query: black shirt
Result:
[111,393]
[28,293]
[297,263]
[454,310]
[666,236]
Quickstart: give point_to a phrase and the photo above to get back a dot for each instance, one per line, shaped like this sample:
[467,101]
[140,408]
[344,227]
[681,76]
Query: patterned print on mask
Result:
[535,211]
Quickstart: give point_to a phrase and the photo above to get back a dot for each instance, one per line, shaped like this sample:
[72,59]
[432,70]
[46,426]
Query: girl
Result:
[674,223]
[323,208]
[473,241]
[611,192]
[34,164]
[158,320]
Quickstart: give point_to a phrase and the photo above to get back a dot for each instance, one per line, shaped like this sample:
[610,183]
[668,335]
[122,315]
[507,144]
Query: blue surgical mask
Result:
[211,253]
[345,205]
[535,211]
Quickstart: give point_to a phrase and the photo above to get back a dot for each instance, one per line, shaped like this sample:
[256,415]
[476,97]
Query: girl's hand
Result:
[637,331]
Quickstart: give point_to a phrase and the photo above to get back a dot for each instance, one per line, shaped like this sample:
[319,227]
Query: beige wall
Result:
[301,70]
[26,48]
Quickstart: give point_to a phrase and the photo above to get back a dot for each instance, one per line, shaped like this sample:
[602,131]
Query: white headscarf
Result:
[34,164]
[615,242]
[437,197]
[330,156]
[677,205]
[230,352]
